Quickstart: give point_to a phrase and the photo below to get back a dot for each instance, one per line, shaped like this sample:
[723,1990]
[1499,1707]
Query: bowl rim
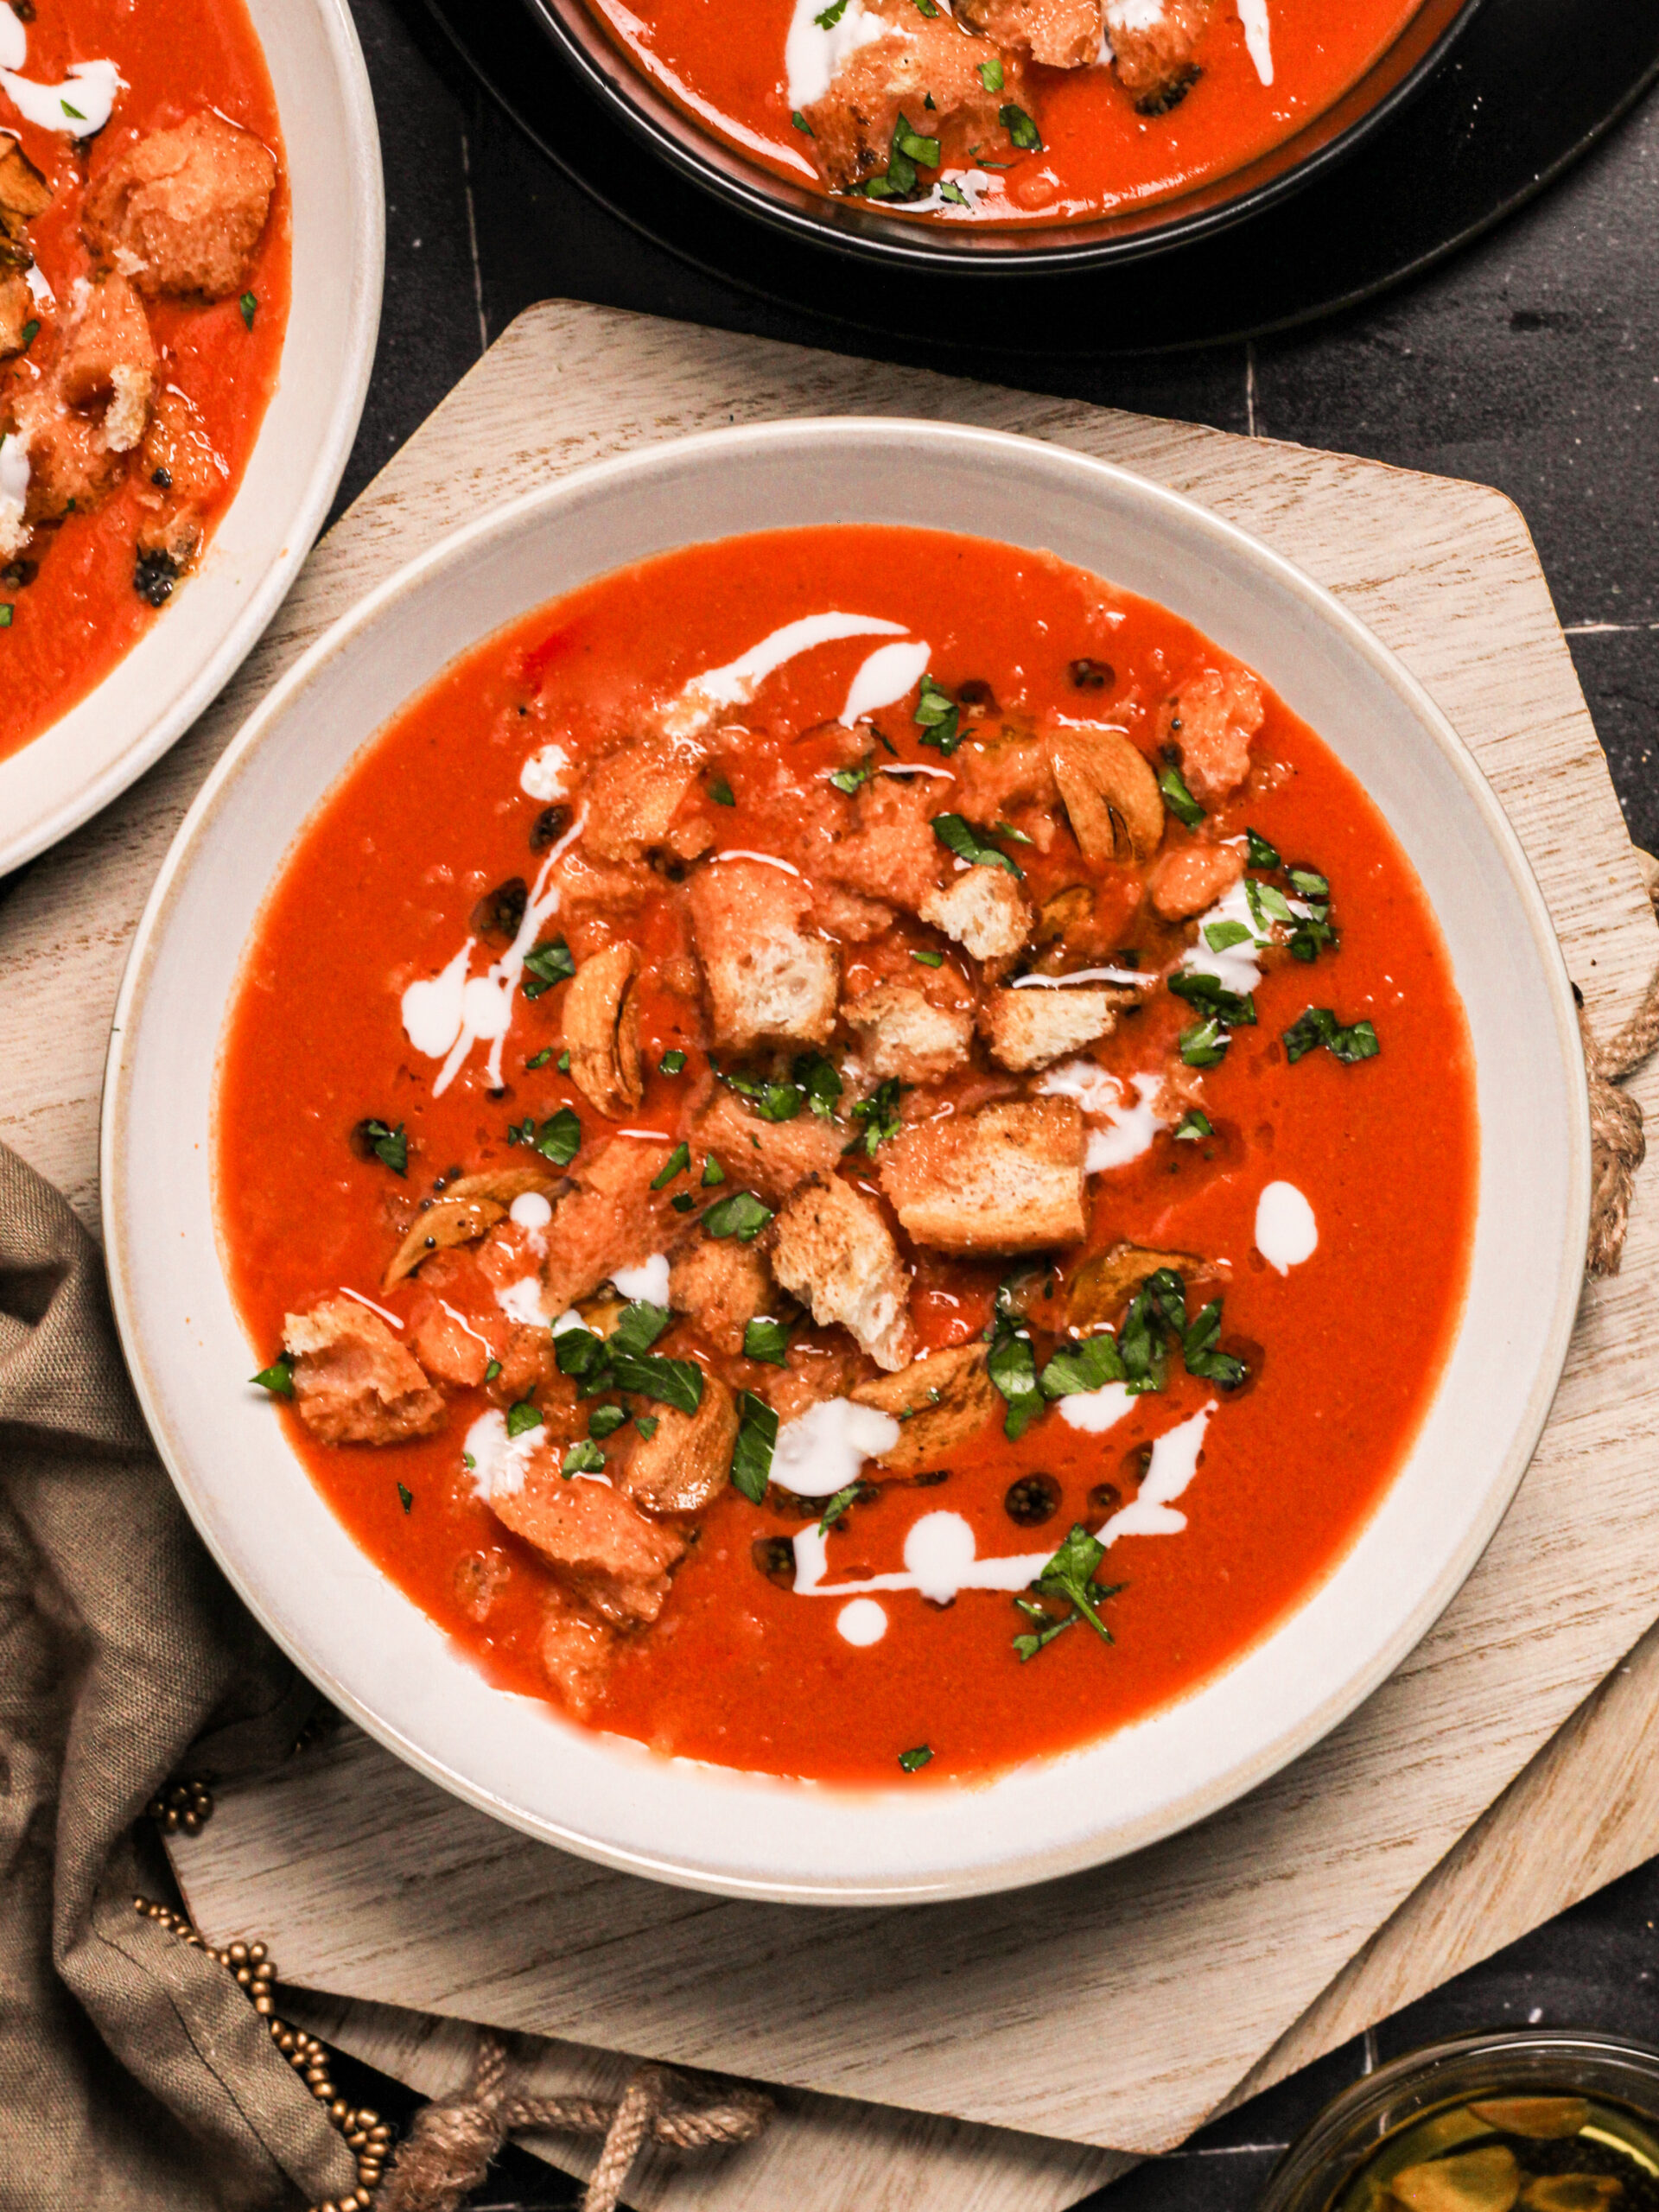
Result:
[60,814]
[885,237]
[1034,1864]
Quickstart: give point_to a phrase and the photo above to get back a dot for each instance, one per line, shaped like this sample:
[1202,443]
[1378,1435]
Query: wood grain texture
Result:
[367,1881]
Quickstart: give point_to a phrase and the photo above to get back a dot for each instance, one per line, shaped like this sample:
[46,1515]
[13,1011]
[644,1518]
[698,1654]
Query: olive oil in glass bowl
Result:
[1544,2122]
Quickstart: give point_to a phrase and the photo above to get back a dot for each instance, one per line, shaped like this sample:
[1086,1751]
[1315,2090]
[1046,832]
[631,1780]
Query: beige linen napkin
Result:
[133,2071]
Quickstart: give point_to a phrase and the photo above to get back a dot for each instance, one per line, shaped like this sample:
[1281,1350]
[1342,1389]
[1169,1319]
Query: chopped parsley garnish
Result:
[624,1361]
[1020,128]
[565,1063]
[673,1063]
[1318,1025]
[831,16]
[559,1138]
[1310,934]
[249,302]
[821,1081]
[406,1496]
[31,332]
[1069,1575]
[1221,936]
[1261,853]
[991,74]
[937,713]
[5,615]
[757,1437]
[848,779]
[523,1417]
[767,1340]
[772,1101]
[676,1163]
[926,7]
[952,830]
[950,190]
[468,1462]
[1204,1045]
[677,1383]
[742,1215]
[491,1370]
[837,1505]
[582,1458]
[1007,829]
[1138,1356]
[647,1425]
[1308,883]
[928,959]
[582,1355]
[277,1378]
[389,1146]
[1192,1125]
[914,1761]
[75,116]
[638,1326]
[879,1116]
[1211,996]
[801,123]
[713,1172]
[1011,1366]
[1087,1365]
[905,148]
[719,790]
[547,964]
[1177,798]
[604,1419]
[540,1059]
[683,1202]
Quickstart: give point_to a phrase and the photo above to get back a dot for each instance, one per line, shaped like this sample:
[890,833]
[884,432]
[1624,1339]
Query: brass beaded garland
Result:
[182,1805]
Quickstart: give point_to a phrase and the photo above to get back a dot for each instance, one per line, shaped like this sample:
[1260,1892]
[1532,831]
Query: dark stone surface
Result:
[1532,363]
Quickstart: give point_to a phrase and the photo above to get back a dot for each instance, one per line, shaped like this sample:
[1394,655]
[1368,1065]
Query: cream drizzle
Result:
[383,1312]
[890,674]
[736,682]
[78,107]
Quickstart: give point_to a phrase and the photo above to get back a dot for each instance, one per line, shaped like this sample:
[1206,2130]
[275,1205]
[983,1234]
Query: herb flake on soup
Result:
[858,1151]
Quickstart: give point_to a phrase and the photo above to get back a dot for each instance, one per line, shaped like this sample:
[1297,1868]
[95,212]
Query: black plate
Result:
[1529,85]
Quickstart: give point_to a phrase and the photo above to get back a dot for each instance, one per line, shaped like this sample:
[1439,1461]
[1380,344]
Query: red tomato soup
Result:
[143,296]
[832,1177]
[1006,111]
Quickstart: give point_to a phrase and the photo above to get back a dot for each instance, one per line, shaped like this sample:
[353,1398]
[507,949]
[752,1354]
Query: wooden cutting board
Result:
[1066,2012]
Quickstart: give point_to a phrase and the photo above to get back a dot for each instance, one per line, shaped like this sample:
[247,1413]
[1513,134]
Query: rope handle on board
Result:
[1618,1143]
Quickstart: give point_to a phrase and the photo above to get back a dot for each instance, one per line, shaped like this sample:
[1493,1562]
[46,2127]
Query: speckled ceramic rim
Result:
[184,661]
[856,228]
[1326,2156]
[375,1654]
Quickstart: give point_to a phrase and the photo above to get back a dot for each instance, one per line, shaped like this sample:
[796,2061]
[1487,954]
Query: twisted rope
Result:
[449,2150]
[1618,1143]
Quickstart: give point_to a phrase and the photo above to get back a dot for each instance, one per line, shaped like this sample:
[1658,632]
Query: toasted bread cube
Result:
[687,1456]
[1212,719]
[769,1158]
[832,1248]
[354,1382]
[181,476]
[1060,34]
[635,794]
[892,854]
[17,310]
[182,210]
[108,362]
[1153,49]
[1189,879]
[578,1655]
[943,1402]
[445,1346]
[983,910]
[596,1541]
[722,1285]
[900,1034]
[766,979]
[614,1219]
[1008,1178]
[1032,1028]
[921,68]
[70,463]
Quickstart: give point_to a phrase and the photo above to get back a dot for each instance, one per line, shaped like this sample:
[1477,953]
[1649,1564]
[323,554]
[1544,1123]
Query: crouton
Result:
[354,1382]
[633,796]
[1008,1178]
[983,910]
[600,1019]
[527,1366]
[942,1401]
[1190,880]
[180,475]
[900,1034]
[108,362]
[1060,34]
[843,914]
[16,310]
[1005,764]
[925,68]
[1104,1285]
[70,464]
[612,1219]
[1111,795]
[813,1373]
[722,1285]
[1153,49]
[182,210]
[577,1653]
[1032,1028]
[687,1458]
[445,1346]
[24,193]
[769,1158]
[832,1248]
[1212,719]
[766,981]
[891,853]
[598,1543]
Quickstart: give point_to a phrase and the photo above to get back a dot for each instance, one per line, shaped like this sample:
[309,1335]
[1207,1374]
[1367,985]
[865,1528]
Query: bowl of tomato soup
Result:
[190,239]
[894,1229]
[1001,135]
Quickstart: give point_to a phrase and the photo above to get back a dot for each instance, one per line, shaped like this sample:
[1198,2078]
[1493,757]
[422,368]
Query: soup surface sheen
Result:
[1027,110]
[661,943]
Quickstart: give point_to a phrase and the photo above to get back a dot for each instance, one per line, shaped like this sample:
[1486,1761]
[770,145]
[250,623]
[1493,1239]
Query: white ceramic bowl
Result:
[373,1652]
[186,658]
